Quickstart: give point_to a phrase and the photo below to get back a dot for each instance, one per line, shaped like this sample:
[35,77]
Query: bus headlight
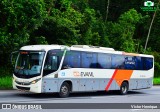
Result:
[35,81]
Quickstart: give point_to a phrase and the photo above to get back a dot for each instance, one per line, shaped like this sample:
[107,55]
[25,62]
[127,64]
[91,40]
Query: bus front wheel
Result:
[124,88]
[64,90]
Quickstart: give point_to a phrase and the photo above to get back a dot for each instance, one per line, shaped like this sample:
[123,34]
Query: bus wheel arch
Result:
[124,87]
[65,88]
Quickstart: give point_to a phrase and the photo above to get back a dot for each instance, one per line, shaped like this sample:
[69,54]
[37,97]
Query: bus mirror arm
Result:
[12,63]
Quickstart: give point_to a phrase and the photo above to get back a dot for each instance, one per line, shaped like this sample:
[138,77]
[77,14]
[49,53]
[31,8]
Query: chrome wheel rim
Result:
[64,90]
[124,89]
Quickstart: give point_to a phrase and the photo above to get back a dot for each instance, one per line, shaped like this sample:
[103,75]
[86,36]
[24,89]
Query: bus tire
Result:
[64,90]
[124,88]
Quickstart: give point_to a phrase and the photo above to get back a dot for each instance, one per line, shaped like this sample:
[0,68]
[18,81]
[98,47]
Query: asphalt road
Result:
[151,95]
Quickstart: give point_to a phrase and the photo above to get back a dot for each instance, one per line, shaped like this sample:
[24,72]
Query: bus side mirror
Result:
[14,57]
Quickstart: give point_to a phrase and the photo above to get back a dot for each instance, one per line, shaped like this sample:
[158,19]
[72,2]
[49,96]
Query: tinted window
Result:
[147,63]
[130,62]
[94,61]
[118,61]
[138,63]
[52,61]
[89,60]
[104,61]
[78,59]
[71,60]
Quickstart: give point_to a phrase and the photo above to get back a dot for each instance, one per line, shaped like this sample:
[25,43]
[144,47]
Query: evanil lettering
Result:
[87,74]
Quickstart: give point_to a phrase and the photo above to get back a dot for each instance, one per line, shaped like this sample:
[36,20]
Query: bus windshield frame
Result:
[29,64]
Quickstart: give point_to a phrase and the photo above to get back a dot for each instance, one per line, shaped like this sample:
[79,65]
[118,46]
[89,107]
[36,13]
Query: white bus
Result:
[80,68]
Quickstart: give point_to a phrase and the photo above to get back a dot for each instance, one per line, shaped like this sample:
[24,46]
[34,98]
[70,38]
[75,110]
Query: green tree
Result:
[61,26]
[122,32]
[18,19]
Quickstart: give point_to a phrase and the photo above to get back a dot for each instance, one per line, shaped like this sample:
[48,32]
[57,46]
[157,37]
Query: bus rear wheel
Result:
[124,88]
[64,90]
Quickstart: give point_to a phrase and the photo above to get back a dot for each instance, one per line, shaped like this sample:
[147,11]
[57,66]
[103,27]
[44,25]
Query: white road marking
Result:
[137,110]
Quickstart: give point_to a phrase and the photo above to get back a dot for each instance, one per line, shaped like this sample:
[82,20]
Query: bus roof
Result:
[80,48]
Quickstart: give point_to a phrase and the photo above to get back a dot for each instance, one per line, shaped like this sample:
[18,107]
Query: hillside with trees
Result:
[120,24]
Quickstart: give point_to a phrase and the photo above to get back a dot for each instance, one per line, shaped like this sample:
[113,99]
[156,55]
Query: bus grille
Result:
[23,88]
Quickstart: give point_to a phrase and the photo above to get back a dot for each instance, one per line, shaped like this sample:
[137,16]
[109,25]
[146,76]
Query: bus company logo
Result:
[148,6]
[76,74]
[83,74]
[87,74]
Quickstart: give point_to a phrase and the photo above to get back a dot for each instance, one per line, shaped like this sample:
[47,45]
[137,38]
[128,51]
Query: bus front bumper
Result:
[35,88]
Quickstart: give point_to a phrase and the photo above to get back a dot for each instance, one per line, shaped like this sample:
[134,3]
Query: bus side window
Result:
[147,63]
[71,60]
[139,64]
[52,61]
[93,64]
[66,63]
[104,61]
[89,60]
[130,63]
[117,61]
[86,59]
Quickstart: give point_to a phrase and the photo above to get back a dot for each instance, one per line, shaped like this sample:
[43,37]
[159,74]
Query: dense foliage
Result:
[119,24]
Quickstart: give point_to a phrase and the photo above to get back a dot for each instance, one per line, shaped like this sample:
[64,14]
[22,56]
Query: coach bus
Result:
[80,68]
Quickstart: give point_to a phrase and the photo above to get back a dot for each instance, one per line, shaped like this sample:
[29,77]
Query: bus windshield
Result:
[29,64]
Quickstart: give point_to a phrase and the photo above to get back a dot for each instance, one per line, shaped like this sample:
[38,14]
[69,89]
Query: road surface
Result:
[151,95]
